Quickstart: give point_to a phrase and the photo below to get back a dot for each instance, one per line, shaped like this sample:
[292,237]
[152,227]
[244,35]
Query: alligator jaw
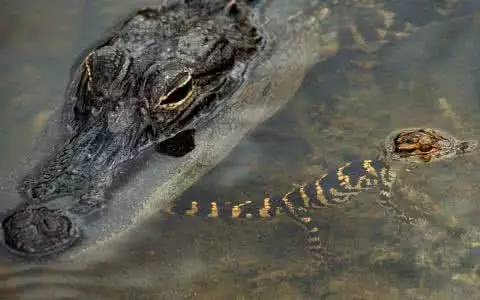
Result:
[87,159]
[70,185]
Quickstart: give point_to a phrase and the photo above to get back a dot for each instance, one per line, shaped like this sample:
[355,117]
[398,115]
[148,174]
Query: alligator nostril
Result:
[52,233]
[466,146]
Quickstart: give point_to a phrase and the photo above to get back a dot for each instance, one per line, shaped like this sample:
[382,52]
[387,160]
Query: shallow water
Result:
[346,106]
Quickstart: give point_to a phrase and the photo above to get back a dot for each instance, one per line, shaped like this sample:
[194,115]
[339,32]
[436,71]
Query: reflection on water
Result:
[344,109]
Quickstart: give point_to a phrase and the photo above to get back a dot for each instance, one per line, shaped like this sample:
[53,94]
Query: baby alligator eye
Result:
[180,94]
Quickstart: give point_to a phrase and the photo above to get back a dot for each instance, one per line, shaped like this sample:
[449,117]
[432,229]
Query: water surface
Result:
[345,108]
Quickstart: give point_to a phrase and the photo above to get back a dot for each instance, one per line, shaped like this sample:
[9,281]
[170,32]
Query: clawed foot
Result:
[325,260]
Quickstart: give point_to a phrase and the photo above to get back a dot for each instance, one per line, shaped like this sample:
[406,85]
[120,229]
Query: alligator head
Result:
[162,74]
[423,145]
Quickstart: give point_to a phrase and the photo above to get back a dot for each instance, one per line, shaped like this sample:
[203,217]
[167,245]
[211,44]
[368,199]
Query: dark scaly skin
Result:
[160,76]
[416,145]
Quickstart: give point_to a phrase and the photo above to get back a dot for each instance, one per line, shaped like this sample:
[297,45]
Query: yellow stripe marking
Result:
[367,165]
[305,198]
[194,210]
[245,203]
[344,179]
[287,201]
[213,210]
[236,211]
[264,212]
[319,193]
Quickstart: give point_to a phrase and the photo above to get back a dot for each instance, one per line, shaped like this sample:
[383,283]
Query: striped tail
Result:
[268,208]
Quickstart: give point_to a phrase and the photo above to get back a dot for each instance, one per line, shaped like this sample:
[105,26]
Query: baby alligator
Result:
[413,145]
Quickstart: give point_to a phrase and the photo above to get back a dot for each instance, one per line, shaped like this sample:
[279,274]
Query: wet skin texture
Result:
[158,77]
[406,146]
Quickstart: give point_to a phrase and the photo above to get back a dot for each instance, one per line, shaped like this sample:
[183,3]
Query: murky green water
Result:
[345,108]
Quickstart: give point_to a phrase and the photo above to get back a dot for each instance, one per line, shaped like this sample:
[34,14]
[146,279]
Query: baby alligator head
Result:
[421,145]
[160,76]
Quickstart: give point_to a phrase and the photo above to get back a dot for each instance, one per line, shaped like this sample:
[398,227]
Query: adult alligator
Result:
[186,77]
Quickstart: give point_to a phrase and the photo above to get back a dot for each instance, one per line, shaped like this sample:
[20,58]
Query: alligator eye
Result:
[180,94]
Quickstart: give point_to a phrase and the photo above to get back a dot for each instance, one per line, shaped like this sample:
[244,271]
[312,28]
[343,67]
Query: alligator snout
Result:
[38,231]
[467,146]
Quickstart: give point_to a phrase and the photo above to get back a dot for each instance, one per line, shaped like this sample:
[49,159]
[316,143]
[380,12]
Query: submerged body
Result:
[333,188]
[415,145]
[187,79]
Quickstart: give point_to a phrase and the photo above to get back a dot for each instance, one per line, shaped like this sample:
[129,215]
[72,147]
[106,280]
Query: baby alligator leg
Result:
[320,252]
[388,177]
